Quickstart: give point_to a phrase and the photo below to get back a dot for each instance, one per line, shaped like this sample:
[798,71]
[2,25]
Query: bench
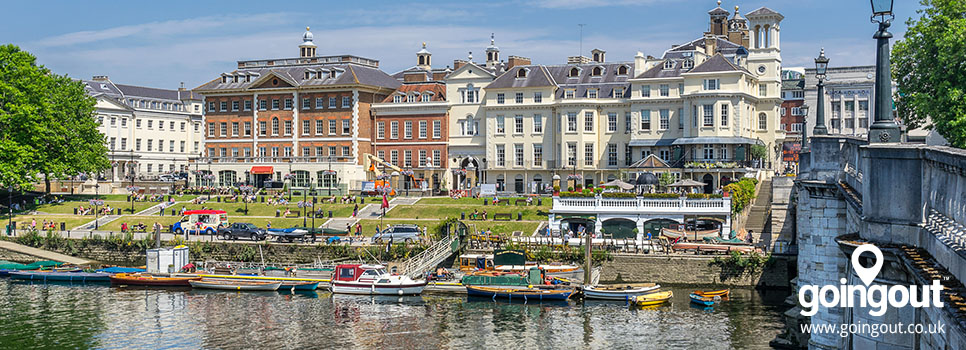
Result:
[519,202]
[502,217]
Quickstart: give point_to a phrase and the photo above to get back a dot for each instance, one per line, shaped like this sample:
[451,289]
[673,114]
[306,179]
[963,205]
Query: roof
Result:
[345,74]
[109,88]
[436,90]
[651,161]
[536,76]
[716,63]
[721,45]
[763,11]
[658,71]
[559,75]
[794,84]
[416,69]
[718,11]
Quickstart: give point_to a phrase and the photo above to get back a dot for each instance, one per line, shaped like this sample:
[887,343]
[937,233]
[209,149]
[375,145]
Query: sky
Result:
[163,43]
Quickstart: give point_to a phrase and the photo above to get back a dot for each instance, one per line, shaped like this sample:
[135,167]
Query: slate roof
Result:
[347,74]
[429,73]
[763,11]
[658,71]
[537,76]
[724,46]
[559,75]
[716,63]
[133,91]
[718,11]
[438,91]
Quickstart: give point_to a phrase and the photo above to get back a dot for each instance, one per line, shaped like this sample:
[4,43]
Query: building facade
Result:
[848,99]
[149,131]
[792,118]
[304,121]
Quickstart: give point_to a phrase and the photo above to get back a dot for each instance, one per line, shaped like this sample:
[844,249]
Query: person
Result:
[268,226]
[355,210]
[484,214]
[348,228]
[751,236]
[33,224]
[475,214]
[123,227]
[358,229]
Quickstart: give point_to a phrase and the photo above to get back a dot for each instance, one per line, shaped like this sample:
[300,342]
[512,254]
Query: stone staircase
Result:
[370,211]
[760,212]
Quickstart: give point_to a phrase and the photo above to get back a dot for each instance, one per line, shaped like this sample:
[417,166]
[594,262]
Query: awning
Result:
[651,142]
[262,170]
[714,140]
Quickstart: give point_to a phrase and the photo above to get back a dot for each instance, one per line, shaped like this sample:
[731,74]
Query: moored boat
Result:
[655,298]
[627,292]
[205,283]
[298,285]
[525,294]
[712,293]
[60,276]
[702,300]
[143,279]
[372,280]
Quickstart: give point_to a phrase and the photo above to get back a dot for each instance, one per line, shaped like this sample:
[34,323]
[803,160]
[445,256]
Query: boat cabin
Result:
[358,272]
[472,262]
[201,221]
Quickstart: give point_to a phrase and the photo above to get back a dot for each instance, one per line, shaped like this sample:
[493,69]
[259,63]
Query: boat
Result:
[298,285]
[525,294]
[205,283]
[690,234]
[627,292]
[746,248]
[143,279]
[370,279]
[703,300]
[655,298]
[711,293]
[60,276]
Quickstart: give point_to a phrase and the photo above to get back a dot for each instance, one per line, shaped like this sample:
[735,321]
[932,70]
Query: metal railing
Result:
[429,258]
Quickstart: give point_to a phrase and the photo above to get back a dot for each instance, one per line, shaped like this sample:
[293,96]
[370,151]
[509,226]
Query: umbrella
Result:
[647,179]
[618,183]
[687,183]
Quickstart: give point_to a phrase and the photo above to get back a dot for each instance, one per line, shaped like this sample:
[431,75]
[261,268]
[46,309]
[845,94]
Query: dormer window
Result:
[224,79]
[234,79]
[598,71]
[397,99]
[522,73]
[425,98]
[688,64]
[411,98]
[622,70]
[307,75]
[668,64]
[591,93]
[574,72]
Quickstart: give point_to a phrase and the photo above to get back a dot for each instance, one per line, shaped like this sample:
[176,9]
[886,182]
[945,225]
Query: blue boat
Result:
[298,285]
[61,276]
[525,294]
[701,300]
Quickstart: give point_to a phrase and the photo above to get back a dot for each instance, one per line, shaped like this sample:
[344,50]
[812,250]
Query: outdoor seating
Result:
[502,217]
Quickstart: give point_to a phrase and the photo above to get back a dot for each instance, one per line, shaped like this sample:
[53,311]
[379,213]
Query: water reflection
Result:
[38,316]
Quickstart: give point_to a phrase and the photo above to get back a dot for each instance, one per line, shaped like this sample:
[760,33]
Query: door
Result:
[708,183]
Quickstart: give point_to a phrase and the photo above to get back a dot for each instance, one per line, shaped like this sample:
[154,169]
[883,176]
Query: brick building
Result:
[792,118]
[293,119]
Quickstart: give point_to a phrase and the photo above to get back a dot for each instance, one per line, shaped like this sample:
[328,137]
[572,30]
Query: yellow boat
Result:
[713,293]
[653,298]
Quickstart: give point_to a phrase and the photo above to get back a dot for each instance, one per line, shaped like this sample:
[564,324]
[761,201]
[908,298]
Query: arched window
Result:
[597,71]
[767,41]
[574,72]
[327,179]
[757,37]
[422,60]
[426,97]
[762,121]
[668,64]
[688,64]
[522,73]
[412,97]
[622,70]
[397,99]
[275,126]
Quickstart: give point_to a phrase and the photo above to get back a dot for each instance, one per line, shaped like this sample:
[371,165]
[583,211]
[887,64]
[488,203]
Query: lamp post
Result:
[821,68]
[804,142]
[329,176]
[884,129]
[209,177]
[290,179]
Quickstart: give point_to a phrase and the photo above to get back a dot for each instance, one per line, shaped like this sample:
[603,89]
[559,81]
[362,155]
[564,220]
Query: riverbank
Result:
[768,272]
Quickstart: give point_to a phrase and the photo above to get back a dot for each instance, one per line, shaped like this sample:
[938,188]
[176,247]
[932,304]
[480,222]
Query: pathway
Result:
[370,211]
[43,254]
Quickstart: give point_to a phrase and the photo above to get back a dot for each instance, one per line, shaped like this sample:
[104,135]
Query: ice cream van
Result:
[201,222]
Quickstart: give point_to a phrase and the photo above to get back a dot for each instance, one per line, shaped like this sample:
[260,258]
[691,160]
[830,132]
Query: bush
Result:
[659,195]
[617,195]
[580,194]
[742,193]
[703,196]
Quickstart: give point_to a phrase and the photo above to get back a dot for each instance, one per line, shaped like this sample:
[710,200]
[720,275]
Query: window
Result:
[711,84]
[618,92]
[137,144]
[627,154]
[570,93]
[306,127]
[537,124]
[537,97]
[588,121]
[668,64]
[288,103]
[262,105]
[234,129]
[319,103]
[571,154]
[537,155]
[500,156]
[611,154]
[795,111]
[408,129]
[665,92]
[224,106]
[500,98]
[597,71]
[680,116]
[262,128]
[518,155]
[346,126]
[680,89]
[688,64]
[572,122]
[394,130]
[645,91]
[411,98]
[762,121]
[437,129]
[381,130]
[519,97]
[708,152]
[796,127]
[437,158]
[394,157]
[762,89]
[113,121]
[113,143]
[645,119]
[500,125]
[150,143]
[274,126]
[588,154]
[123,144]
[171,146]
[518,124]
[346,101]
[124,124]
[275,104]
[197,146]
[627,123]
[694,116]
[288,127]
[622,70]
[708,115]
[247,105]
[724,115]
[345,151]
[137,123]
[408,158]
[319,126]
[234,106]
[160,125]
[592,93]
[422,129]
[275,152]
[611,122]
[332,102]
[211,106]
[288,151]
[425,98]
[781,111]
[150,124]
[798,94]
[574,72]
[224,129]
[306,103]
[522,73]
[665,119]
[332,151]
[319,151]
[331,126]
[182,147]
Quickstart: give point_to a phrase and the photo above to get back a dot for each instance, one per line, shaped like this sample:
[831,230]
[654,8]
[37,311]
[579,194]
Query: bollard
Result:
[484,202]
[169,198]
[463,215]
[363,200]
[262,199]
[330,214]
[128,198]
[519,216]
[173,212]
[539,201]
[314,200]
[218,199]
[277,213]
[75,211]
[63,226]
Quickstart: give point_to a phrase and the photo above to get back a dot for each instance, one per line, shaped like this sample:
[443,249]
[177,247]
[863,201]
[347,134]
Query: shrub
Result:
[659,195]
[742,193]
[580,194]
[617,195]
[703,196]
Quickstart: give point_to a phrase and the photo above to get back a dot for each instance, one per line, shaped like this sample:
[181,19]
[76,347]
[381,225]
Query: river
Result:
[99,316]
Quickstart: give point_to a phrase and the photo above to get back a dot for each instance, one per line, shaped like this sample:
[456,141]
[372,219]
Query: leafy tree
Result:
[665,179]
[47,124]
[929,71]
[759,152]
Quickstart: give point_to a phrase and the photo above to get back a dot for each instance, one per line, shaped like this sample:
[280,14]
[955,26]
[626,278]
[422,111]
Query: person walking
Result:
[358,229]
[355,210]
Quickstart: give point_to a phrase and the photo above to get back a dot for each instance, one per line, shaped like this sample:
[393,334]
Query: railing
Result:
[300,159]
[671,205]
[429,258]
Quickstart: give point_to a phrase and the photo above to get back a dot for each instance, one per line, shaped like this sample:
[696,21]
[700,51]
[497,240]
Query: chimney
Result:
[457,64]
[639,63]
[709,44]
[514,61]
[411,77]
[100,78]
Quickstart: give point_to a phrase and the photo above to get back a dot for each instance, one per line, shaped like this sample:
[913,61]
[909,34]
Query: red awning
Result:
[261,170]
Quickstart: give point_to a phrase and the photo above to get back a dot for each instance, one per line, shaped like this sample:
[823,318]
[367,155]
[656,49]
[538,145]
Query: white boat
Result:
[372,280]
[627,292]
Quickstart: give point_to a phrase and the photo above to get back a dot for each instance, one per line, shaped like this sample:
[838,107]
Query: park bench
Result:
[502,217]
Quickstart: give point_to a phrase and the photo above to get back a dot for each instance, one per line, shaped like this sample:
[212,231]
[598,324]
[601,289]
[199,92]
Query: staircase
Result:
[431,257]
[758,218]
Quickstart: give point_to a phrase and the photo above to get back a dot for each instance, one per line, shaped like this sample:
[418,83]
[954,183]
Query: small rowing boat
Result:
[60,276]
[713,293]
[702,300]
[526,294]
[235,285]
[655,298]
[627,292]
[143,279]
[298,285]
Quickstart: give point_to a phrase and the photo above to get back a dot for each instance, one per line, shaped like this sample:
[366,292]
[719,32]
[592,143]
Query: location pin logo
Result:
[867,275]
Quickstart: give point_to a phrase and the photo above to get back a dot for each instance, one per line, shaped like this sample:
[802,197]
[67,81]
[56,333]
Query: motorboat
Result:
[207,283]
[625,292]
[371,279]
[525,294]
[60,276]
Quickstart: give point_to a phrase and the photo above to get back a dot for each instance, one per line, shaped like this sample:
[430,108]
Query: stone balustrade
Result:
[715,206]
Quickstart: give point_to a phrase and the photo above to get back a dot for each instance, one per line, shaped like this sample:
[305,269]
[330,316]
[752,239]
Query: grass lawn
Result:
[434,211]
[547,202]
[498,227]
[71,220]
[68,207]
[237,210]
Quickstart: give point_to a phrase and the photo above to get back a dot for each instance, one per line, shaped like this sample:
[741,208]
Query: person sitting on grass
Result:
[484,214]
[287,212]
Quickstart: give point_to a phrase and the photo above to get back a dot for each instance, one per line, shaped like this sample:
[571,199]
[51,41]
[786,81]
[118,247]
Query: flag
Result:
[385,202]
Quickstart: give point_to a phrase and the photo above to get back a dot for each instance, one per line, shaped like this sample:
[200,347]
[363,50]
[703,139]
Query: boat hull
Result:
[519,294]
[231,285]
[60,276]
[654,298]
[151,281]
[700,300]
[626,294]
[303,286]
[377,289]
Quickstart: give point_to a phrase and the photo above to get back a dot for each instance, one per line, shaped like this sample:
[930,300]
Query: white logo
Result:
[845,295]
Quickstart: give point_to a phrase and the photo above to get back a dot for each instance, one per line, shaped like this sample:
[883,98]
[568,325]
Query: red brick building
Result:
[293,119]
[792,118]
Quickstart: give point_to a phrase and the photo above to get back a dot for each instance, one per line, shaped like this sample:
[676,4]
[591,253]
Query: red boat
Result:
[141,279]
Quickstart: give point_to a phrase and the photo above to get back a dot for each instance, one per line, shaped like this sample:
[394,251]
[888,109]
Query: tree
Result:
[47,123]
[665,179]
[759,152]
[928,66]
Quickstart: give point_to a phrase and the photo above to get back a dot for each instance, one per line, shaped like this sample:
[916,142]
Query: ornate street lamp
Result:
[96,203]
[804,142]
[821,68]
[884,129]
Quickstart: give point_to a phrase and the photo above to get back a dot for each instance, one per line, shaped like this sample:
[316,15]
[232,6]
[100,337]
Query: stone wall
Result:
[10,255]
[782,210]
[697,270]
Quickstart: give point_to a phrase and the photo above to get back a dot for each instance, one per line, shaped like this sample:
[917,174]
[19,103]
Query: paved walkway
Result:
[43,254]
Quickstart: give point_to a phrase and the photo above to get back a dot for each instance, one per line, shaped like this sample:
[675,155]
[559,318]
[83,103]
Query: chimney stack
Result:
[100,78]
[514,61]
[458,63]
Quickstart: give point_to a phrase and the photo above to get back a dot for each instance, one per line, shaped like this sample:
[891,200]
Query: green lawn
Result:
[435,211]
[262,209]
[479,201]
[71,220]
[68,207]
[498,227]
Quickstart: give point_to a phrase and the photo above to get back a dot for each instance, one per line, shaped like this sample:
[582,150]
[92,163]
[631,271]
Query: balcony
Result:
[679,206]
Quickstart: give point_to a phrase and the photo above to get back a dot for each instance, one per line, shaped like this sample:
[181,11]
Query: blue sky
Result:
[162,43]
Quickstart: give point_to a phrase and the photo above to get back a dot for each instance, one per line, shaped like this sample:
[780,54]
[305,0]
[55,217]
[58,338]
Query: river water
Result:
[98,316]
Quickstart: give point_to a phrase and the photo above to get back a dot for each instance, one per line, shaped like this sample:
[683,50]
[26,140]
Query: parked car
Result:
[398,233]
[206,222]
[242,229]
